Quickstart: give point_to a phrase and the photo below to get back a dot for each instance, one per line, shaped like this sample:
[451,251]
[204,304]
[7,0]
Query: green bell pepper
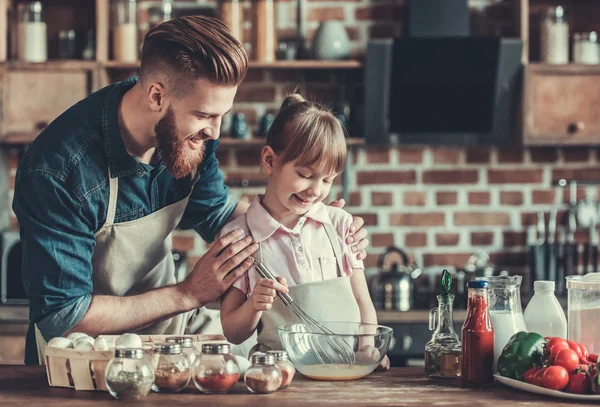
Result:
[521,353]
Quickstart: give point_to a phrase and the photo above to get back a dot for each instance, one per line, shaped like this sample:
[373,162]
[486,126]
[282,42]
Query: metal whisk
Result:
[343,350]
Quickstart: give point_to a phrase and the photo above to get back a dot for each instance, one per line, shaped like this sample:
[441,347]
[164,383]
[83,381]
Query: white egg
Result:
[128,341]
[84,343]
[61,343]
[101,344]
[243,363]
[76,335]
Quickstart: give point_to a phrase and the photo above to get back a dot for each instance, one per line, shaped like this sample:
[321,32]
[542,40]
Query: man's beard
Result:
[179,159]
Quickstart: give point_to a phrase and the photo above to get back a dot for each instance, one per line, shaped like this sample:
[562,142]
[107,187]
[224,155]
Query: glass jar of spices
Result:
[215,369]
[187,346]
[263,376]
[282,360]
[129,374]
[172,370]
[586,49]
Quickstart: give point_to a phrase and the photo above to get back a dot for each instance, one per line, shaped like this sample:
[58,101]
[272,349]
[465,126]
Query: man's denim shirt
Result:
[61,200]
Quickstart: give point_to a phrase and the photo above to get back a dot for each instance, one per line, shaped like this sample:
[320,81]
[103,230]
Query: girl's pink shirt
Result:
[302,254]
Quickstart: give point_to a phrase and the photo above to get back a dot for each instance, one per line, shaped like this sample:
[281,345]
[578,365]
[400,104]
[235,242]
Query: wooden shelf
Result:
[566,68]
[301,64]
[227,142]
[55,64]
[18,138]
[254,142]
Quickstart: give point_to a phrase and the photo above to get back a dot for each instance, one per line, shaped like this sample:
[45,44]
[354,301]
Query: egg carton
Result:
[84,370]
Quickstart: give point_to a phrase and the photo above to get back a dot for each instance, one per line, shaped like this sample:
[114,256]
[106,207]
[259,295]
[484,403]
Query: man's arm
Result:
[58,243]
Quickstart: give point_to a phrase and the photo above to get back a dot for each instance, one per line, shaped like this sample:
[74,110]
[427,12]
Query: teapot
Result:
[392,289]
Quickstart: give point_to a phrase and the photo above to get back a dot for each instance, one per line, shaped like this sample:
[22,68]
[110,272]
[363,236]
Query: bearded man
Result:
[99,192]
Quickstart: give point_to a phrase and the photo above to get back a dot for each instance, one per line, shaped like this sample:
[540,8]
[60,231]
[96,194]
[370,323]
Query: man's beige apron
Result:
[325,301]
[135,257]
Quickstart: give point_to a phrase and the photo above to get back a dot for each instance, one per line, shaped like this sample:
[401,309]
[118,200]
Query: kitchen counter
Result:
[27,385]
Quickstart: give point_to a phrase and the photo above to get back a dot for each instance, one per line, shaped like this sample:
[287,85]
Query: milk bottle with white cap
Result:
[544,314]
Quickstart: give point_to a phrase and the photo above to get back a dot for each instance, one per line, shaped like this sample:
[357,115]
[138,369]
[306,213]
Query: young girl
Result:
[301,240]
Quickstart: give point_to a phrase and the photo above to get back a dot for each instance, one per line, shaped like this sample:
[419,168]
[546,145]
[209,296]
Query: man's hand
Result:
[218,269]
[357,239]
[265,292]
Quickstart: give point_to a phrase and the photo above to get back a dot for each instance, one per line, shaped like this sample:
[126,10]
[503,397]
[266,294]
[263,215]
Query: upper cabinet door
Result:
[561,105]
[32,98]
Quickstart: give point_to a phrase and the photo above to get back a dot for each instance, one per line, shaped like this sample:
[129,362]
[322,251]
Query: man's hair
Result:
[193,47]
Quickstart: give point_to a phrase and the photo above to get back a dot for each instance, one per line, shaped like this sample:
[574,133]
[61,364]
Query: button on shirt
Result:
[302,254]
[61,201]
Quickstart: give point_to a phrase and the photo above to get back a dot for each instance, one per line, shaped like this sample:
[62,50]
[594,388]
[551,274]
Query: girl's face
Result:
[295,189]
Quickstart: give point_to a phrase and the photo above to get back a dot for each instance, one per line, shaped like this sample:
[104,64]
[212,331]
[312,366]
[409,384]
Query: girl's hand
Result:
[384,364]
[265,292]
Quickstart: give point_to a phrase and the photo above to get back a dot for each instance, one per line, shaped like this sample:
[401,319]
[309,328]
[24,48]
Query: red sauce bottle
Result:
[477,338]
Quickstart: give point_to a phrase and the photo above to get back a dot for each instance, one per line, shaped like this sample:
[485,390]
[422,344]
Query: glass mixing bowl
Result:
[325,356]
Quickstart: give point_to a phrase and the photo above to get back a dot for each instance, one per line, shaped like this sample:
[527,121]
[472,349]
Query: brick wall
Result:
[440,203]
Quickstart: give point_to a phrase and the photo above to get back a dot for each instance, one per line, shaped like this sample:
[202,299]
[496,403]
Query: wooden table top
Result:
[28,386]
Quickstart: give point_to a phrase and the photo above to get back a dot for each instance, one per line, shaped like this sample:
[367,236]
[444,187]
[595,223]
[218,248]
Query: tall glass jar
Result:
[31,34]
[231,13]
[282,360]
[263,376]
[505,309]
[187,345]
[124,30]
[554,40]
[477,353]
[215,370]
[129,374]
[586,49]
[172,371]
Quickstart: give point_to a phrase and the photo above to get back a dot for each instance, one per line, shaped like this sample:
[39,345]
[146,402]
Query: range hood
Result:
[438,86]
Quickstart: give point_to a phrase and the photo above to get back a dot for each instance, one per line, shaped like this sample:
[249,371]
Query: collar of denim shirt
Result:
[120,163]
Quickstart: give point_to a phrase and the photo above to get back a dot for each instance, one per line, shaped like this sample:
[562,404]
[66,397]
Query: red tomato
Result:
[579,383]
[575,346]
[538,379]
[568,359]
[556,378]
[585,353]
[530,375]
[556,344]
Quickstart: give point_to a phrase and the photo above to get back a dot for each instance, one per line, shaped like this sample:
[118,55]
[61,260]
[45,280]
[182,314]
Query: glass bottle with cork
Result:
[443,351]
[477,356]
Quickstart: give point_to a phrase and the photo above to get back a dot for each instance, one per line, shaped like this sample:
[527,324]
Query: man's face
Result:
[190,121]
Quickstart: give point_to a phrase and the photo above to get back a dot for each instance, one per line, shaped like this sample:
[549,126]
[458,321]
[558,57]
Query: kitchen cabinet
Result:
[32,95]
[560,105]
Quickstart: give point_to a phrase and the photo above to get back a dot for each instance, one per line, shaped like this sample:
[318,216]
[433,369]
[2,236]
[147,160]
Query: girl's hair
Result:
[308,133]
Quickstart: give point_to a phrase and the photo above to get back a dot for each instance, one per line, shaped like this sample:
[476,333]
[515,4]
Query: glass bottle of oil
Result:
[443,351]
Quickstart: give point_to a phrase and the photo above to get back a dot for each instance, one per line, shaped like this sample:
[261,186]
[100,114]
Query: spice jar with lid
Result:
[31,32]
[129,374]
[282,360]
[554,39]
[215,369]
[263,376]
[172,370]
[187,346]
[586,49]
